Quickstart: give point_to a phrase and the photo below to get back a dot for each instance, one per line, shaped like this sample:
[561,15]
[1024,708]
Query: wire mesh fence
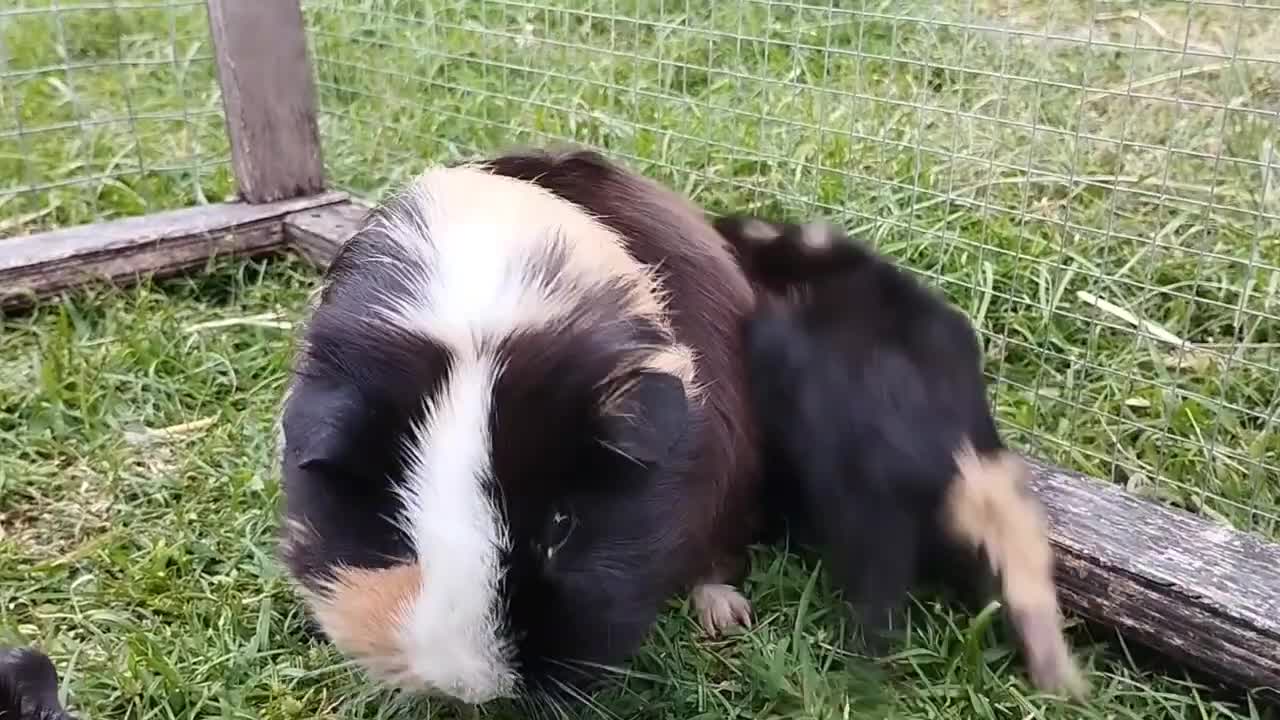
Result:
[107,109]
[1097,184]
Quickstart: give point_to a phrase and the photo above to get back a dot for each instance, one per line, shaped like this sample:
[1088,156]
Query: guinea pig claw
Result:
[721,608]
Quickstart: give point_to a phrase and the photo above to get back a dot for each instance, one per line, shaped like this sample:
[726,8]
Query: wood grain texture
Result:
[269,97]
[158,245]
[318,233]
[1202,593]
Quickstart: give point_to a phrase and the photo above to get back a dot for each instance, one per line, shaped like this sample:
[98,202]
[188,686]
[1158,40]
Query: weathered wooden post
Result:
[269,97]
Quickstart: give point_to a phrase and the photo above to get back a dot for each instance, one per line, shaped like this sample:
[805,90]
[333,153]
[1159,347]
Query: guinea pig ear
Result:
[648,416]
[320,425]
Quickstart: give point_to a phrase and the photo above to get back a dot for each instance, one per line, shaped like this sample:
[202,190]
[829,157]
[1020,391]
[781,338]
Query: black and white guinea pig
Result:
[517,426]
[29,686]
[879,441]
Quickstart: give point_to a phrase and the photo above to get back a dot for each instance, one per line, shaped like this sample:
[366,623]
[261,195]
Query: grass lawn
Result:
[143,560]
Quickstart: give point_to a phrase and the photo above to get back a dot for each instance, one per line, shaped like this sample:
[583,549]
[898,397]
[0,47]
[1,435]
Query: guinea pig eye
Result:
[559,526]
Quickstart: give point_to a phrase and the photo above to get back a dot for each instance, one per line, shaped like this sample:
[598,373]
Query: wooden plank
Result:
[158,245]
[269,96]
[318,233]
[1198,591]
[1203,594]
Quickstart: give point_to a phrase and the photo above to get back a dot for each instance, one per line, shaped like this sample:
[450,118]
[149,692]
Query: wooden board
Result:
[44,264]
[1198,591]
[269,96]
[1202,593]
[318,233]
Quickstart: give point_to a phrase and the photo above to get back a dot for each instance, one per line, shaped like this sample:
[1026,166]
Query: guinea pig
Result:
[518,425]
[29,686]
[880,447]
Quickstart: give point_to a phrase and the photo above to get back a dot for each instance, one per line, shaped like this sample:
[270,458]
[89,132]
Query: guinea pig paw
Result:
[721,608]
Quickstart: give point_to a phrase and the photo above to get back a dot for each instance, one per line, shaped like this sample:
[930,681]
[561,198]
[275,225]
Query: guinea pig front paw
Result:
[720,608]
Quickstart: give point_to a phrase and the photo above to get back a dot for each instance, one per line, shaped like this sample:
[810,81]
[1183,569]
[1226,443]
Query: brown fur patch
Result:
[363,611]
[989,506]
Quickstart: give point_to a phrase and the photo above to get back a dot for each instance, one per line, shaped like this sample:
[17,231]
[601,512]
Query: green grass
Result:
[144,563]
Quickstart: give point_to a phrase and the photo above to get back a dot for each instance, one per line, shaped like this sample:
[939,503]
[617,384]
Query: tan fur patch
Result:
[817,235]
[989,506]
[677,360]
[363,610]
[759,232]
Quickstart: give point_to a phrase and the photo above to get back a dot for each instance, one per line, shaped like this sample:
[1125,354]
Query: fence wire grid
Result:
[107,109]
[1097,184]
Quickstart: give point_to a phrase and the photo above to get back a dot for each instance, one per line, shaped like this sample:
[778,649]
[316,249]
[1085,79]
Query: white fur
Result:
[452,640]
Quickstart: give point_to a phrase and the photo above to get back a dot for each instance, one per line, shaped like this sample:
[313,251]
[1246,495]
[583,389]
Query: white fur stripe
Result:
[453,636]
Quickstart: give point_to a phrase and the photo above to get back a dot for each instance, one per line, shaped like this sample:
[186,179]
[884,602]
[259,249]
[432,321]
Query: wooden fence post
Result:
[269,97]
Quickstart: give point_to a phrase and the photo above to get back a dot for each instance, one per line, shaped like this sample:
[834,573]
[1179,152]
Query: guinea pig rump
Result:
[878,386]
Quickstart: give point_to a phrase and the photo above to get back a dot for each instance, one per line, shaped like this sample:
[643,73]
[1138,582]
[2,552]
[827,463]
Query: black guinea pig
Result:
[517,425]
[29,686]
[879,444]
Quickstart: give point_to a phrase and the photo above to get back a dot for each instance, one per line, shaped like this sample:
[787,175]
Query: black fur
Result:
[29,686]
[865,382]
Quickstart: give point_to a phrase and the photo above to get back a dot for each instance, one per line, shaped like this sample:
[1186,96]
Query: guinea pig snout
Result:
[416,637]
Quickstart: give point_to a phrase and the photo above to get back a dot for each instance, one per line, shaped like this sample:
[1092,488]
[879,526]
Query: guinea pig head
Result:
[483,441]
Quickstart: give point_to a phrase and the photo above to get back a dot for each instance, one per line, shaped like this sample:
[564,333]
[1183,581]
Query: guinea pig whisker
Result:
[586,700]
[613,670]
[556,706]
[619,451]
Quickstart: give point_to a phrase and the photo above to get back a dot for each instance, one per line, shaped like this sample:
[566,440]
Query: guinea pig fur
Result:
[880,445]
[517,426]
[29,686]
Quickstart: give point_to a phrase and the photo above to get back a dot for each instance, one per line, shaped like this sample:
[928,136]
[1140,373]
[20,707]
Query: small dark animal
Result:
[879,441]
[29,686]
[518,424]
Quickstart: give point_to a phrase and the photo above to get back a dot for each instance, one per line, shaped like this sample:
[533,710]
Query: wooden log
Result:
[1200,592]
[269,96]
[158,245]
[318,233]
